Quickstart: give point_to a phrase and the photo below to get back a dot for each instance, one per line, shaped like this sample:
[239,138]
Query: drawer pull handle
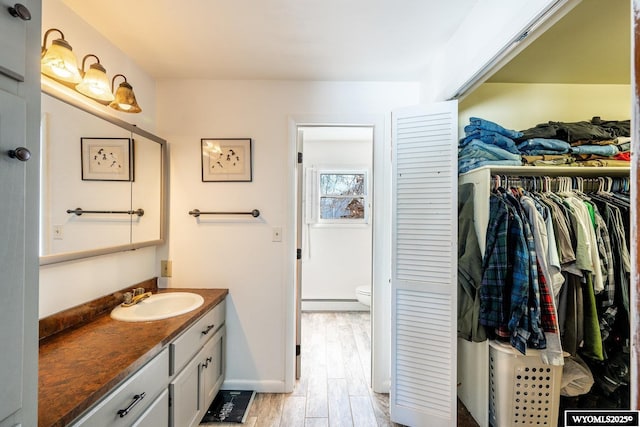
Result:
[137,398]
[20,11]
[20,153]
[207,329]
[206,362]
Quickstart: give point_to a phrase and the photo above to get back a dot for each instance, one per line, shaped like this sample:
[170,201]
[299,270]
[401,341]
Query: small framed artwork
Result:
[107,159]
[226,159]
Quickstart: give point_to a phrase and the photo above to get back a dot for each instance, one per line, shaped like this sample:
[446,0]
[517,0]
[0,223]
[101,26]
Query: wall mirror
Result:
[102,184]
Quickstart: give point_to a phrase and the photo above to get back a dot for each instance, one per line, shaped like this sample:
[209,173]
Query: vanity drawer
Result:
[186,345]
[151,379]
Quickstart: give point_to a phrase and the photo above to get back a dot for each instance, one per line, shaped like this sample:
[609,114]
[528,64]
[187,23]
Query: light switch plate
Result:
[58,232]
[276,234]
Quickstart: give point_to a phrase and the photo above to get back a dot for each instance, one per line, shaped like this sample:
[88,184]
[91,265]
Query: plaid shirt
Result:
[548,317]
[494,265]
[509,292]
[525,294]
[606,258]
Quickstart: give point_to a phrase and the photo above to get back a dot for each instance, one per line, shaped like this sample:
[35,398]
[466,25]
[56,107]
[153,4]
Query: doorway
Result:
[334,223]
[336,227]
[379,182]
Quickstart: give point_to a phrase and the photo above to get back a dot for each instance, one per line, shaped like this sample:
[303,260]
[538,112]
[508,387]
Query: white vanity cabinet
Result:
[128,403]
[157,415]
[198,361]
[175,388]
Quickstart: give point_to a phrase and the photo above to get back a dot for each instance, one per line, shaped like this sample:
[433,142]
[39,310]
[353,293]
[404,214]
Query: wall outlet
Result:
[276,234]
[165,268]
[58,232]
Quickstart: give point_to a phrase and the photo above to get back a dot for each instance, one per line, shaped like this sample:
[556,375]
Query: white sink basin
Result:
[158,306]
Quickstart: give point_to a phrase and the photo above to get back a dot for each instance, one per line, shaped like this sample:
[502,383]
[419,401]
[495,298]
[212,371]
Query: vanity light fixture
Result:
[125,99]
[58,61]
[95,83]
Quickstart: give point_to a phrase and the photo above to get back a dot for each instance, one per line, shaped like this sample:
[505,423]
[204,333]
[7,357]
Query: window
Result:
[342,197]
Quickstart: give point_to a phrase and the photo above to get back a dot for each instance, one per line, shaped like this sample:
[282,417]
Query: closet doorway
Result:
[334,228]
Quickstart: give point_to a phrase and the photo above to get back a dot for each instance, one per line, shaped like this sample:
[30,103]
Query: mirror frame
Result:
[50,89]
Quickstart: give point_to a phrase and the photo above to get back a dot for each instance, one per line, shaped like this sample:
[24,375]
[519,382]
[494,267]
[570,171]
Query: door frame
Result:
[381,257]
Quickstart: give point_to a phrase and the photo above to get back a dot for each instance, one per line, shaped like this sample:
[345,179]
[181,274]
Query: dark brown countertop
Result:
[78,367]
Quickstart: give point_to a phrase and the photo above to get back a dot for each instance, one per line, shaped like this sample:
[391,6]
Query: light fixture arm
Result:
[85,59]
[46,35]
[113,80]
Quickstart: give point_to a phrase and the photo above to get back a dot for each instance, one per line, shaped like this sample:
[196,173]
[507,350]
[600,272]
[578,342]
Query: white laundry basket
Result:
[522,390]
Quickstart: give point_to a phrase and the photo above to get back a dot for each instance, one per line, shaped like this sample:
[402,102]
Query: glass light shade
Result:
[95,84]
[59,62]
[125,99]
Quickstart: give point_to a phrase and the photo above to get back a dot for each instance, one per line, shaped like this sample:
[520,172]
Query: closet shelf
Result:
[585,171]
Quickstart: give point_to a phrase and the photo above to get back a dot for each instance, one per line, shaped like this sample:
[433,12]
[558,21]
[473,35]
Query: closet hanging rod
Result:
[80,211]
[196,213]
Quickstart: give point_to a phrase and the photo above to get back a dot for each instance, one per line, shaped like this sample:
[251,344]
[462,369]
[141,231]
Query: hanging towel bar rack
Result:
[80,211]
[196,213]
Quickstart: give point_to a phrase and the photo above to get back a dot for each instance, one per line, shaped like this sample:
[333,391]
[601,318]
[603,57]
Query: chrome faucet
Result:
[135,296]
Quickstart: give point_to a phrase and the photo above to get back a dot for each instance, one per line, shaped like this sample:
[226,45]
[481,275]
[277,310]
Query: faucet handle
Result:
[128,297]
[137,291]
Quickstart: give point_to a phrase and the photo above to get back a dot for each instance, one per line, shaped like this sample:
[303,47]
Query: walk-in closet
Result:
[550,81]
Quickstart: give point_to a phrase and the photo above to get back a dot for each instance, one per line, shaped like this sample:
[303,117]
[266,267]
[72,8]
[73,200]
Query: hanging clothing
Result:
[469,269]
[555,271]
[509,294]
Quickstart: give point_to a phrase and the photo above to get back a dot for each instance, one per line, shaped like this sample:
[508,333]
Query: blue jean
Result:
[480,150]
[477,153]
[534,146]
[478,123]
[490,137]
[600,150]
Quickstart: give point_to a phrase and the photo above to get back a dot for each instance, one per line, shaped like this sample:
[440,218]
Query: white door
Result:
[424,265]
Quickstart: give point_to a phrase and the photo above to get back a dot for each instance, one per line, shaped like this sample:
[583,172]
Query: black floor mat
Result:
[229,406]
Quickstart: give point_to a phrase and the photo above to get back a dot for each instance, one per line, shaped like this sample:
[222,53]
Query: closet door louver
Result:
[424,272]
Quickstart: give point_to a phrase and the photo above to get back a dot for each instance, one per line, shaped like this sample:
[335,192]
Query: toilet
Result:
[363,294]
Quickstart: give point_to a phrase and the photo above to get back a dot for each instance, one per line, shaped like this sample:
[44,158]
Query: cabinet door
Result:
[213,371]
[186,406]
[12,252]
[13,33]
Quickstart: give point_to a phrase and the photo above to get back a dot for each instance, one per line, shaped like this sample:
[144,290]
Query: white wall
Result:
[68,284]
[336,258]
[237,253]
[522,106]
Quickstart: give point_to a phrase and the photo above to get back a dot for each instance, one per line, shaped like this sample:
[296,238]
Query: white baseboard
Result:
[258,386]
[333,305]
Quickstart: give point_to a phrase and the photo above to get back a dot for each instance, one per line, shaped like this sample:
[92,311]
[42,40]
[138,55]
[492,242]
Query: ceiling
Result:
[358,40]
[364,40]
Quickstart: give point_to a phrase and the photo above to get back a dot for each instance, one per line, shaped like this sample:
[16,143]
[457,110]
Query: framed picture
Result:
[226,159]
[107,159]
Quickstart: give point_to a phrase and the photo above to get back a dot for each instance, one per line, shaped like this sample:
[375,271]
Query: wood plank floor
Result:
[333,390]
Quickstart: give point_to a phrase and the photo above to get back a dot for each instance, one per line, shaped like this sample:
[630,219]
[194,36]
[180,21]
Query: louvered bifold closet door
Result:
[424,274]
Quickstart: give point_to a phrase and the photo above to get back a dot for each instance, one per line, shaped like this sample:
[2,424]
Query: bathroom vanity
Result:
[113,373]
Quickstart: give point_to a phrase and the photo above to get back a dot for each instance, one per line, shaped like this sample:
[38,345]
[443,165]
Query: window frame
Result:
[319,195]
